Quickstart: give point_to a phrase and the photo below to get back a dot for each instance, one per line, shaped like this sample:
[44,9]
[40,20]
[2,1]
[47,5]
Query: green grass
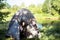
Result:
[3,30]
[48,32]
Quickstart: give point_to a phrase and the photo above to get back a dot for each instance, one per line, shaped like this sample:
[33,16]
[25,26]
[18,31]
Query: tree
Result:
[3,14]
[55,6]
[2,5]
[52,30]
[45,7]
[52,7]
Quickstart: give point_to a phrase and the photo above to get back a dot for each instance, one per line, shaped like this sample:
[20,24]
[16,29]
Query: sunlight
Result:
[26,2]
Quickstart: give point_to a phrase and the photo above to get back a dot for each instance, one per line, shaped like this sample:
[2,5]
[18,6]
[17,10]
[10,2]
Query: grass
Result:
[3,30]
[49,30]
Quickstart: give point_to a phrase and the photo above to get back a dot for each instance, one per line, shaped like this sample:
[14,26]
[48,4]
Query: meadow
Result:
[47,15]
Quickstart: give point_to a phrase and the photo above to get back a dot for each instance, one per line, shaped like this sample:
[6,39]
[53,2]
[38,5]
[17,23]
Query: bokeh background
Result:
[46,12]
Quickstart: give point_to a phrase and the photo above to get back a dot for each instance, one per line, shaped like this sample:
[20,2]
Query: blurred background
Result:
[46,12]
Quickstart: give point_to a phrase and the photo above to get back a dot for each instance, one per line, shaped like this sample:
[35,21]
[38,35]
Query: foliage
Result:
[47,14]
[3,15]
[52,7]
[52,28]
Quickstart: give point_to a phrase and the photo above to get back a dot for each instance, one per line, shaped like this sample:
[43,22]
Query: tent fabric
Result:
[14,26]
[13,29]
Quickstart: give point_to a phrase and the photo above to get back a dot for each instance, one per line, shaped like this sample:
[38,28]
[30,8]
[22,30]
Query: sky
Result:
[26,2]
